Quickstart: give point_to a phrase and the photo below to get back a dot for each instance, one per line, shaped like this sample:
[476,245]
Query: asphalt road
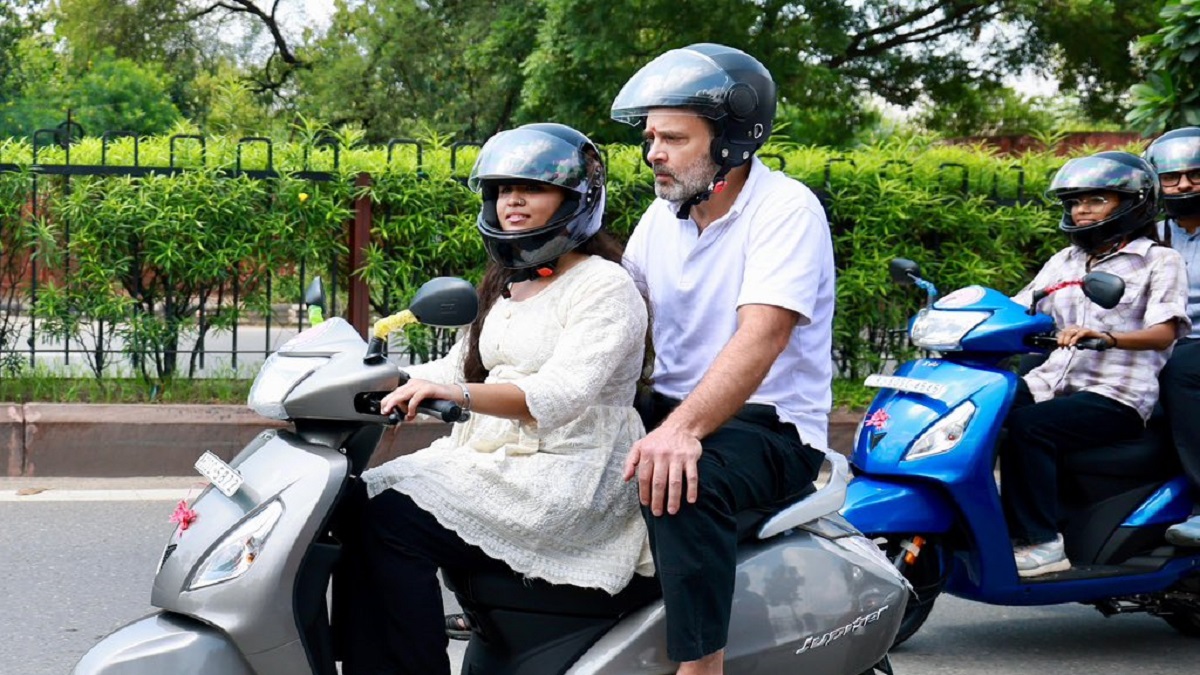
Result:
[71,571]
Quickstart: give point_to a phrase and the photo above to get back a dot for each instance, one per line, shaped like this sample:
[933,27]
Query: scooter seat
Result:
[1150,457]
[511,591]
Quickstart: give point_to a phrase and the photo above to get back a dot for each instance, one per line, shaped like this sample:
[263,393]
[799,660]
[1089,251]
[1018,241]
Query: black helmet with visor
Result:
[548,154]
[723,84]
[1176,153]
[1126,174]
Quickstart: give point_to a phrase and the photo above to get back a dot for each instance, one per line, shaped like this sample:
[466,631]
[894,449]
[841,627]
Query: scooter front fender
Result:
[164,643]
[878,507]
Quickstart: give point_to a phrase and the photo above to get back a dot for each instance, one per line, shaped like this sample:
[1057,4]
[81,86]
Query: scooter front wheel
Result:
[920,560]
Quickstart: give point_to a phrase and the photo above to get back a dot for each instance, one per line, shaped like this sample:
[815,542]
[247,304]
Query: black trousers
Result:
[1179,394]
[388,613]
[1040,435]
[753,460]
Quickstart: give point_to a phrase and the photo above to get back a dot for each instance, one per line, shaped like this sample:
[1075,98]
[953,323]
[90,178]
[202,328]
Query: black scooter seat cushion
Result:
[1151,456]
[509,590]
[501,590]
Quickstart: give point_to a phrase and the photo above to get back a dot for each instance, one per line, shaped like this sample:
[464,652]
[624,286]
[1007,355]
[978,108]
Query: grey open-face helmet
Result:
[1177,151]
[1126,174]
[551,154]
[723,84]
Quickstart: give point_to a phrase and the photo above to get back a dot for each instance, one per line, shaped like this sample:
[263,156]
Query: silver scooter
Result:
[243,581]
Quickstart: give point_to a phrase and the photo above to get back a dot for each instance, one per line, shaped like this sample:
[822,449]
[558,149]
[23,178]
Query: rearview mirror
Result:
[1103,288]
[314,298]
[445,302]
[904,271]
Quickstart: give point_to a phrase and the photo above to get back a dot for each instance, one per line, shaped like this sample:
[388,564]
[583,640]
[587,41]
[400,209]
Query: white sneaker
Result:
[1186,533]
[1034,561]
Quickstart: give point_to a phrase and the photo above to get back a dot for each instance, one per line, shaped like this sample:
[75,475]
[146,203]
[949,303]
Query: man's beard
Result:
[687,182]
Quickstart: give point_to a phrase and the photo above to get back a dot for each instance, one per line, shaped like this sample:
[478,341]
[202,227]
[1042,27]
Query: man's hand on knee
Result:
[665,461]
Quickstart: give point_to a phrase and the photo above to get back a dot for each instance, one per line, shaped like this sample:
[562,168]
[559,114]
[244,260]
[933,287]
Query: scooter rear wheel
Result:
[1186,622]
[1185,607]
[927,575]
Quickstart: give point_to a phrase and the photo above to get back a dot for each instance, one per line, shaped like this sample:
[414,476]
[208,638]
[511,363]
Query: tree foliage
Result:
[472,67]
[394,67]
[832,57]
[103,94]
[1086,45]
[1170,96]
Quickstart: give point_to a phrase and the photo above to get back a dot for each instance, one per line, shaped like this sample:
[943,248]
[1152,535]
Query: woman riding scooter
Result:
[1079,399]
[531,482]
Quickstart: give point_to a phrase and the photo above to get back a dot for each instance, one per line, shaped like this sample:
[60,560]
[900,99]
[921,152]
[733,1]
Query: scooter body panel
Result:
[1011,591]
[255,609]
[893,507]
[164,643]
[818,597]
[962,481]
[1172,503]
[802,603]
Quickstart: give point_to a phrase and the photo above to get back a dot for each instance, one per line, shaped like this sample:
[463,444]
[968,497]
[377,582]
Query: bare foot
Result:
[713,664]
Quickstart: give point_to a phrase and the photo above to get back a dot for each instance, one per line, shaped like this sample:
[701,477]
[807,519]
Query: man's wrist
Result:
[680,424]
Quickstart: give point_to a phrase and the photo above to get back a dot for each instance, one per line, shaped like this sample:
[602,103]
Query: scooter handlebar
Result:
[446,411]
[1097,344]
[1050,341]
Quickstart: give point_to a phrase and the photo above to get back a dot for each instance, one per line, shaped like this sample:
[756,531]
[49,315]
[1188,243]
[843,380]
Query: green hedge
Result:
[144,251]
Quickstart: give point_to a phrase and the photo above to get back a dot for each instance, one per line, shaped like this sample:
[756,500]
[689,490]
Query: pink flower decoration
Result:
[183,515]
[878,419]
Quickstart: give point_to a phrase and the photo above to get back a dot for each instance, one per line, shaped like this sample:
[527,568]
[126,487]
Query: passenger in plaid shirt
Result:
[1078,399]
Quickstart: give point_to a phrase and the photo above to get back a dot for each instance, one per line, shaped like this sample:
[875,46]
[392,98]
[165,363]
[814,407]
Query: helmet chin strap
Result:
[542,271]
[715,187]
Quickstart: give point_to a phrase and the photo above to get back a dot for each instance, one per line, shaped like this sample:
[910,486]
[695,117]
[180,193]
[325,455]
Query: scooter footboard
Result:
[876,506]
[164,643]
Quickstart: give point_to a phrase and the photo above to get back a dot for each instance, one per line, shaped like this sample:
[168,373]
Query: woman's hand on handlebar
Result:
[1071,335]
[409,396]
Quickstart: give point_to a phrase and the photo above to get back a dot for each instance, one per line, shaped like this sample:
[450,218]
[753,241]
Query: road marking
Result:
[156,495]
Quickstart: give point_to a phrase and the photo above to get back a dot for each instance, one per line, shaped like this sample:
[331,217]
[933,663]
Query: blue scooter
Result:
[925,487]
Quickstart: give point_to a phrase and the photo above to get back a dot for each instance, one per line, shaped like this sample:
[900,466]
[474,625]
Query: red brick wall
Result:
[1017,144]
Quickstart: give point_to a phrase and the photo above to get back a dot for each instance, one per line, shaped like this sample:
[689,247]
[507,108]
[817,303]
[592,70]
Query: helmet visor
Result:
[680,78]
[1178,154]
[530,155]
[1100,173]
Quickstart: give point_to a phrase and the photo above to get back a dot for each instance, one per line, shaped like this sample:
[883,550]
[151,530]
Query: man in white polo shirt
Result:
[736,261]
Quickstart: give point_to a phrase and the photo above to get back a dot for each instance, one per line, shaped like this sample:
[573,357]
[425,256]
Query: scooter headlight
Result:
[234,554]
[944,435]
[942,331]
[276,379]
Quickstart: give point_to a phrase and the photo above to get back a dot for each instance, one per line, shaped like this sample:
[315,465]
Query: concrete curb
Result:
[88,440]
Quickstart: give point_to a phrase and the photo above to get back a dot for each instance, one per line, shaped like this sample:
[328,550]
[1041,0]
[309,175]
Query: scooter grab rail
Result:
[823,502]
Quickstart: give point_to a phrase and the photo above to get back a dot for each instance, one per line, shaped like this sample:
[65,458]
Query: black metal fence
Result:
[23,341]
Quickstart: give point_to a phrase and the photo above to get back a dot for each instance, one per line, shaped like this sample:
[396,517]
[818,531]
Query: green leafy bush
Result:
[145,254]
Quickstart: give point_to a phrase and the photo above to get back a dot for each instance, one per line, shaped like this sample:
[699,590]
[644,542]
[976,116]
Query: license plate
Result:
[908,384]
[224,477]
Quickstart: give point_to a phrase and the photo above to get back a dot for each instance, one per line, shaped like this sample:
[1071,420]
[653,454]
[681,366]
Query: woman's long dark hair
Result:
[495,279]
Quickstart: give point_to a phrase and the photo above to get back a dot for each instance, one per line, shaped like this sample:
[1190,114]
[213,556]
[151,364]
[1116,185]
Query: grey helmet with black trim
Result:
[1177,151]
[723,84]
[551,154]
[1121,172]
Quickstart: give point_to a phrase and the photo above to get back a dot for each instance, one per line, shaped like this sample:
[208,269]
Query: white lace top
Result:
[546,498]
